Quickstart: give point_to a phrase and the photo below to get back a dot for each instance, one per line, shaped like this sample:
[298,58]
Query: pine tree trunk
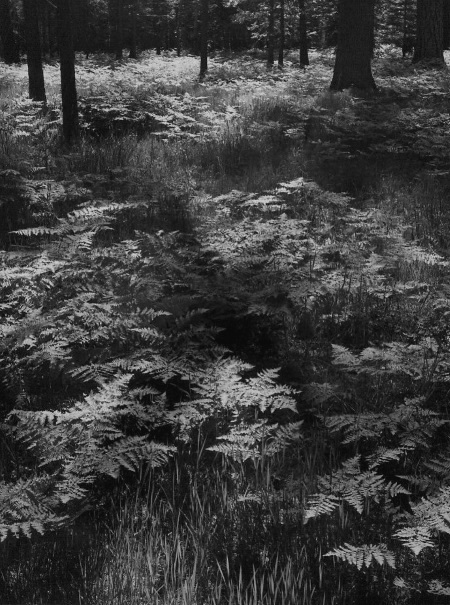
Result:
[9,45]
[304,58]
[204,39]
[430,33]
[36,86]
[82,26]
[118,29]
[67,64]
[43,19]
[352,66]
[133,20]
[405,29]
[282,37]
[271,35]
[178,27]
[446,32]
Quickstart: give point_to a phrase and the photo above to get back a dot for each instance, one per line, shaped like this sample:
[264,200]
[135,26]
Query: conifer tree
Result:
[429,47]
[10,50]
[67,65]
[36,85]
[352,66]
[304,58]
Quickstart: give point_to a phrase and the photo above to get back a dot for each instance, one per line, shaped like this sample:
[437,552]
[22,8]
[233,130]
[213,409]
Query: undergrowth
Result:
[260,364]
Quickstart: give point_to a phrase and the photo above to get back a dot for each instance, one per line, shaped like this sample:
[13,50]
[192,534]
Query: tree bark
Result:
[67,64]
[204,39]
[303,31]
[282,37]
[81,26]
[178,28]
[133,20]
[406,38]
[429,48]
[7,36]
[271,35]
[118,29]
[446,26]
[36,85]
[352,66]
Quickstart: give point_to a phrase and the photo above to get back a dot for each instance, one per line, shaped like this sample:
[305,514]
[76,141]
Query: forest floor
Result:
[253,272]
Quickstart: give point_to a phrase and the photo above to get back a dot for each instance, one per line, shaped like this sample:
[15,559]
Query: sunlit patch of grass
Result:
[164,73]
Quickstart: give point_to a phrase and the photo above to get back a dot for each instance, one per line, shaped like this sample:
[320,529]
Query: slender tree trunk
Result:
[45,34]
[429,47]
[36,86]
[405,28]
[355,46]
[82,22]
[303,31]
[446,32]
[178,28]
[282,37]
[204,39]
[158,36]
[8,38]
[167,34]
[133,20]
[67,63]
[118,29]
[271,35]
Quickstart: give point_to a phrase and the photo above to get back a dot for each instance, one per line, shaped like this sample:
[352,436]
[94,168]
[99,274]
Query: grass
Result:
[199,539]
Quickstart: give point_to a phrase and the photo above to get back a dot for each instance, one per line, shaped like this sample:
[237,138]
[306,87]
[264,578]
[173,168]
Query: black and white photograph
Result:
[224,302]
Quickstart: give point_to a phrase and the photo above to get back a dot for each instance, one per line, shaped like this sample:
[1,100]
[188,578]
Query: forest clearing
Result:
[225,308]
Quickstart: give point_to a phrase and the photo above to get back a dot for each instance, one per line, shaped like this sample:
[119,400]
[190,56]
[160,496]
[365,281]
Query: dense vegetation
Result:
[184,304]
[224,317]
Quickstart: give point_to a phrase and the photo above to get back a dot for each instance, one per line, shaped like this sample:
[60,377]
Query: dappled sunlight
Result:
[224,316]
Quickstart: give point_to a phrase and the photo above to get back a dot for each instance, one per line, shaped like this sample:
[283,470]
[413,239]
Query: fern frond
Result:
[364,556]
[320,504]
[415,538]
[17,529]
[382,455]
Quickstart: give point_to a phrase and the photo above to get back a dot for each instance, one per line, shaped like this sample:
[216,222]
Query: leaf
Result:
[363,556]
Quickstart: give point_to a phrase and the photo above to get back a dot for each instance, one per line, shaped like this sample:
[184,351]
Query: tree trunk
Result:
[406,38]
[36,86]
[204,39]
[9,44]
[429,47]
[178,28]
[133,20]
[304,58]
[282,37]
[271,35]
[446,32]
[67,63]
[355,46]
[118,29]
[82,19]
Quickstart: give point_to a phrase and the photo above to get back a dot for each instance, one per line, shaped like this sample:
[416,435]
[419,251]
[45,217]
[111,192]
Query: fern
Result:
[321,504]
[364,556]
[415,538]
[353,486]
